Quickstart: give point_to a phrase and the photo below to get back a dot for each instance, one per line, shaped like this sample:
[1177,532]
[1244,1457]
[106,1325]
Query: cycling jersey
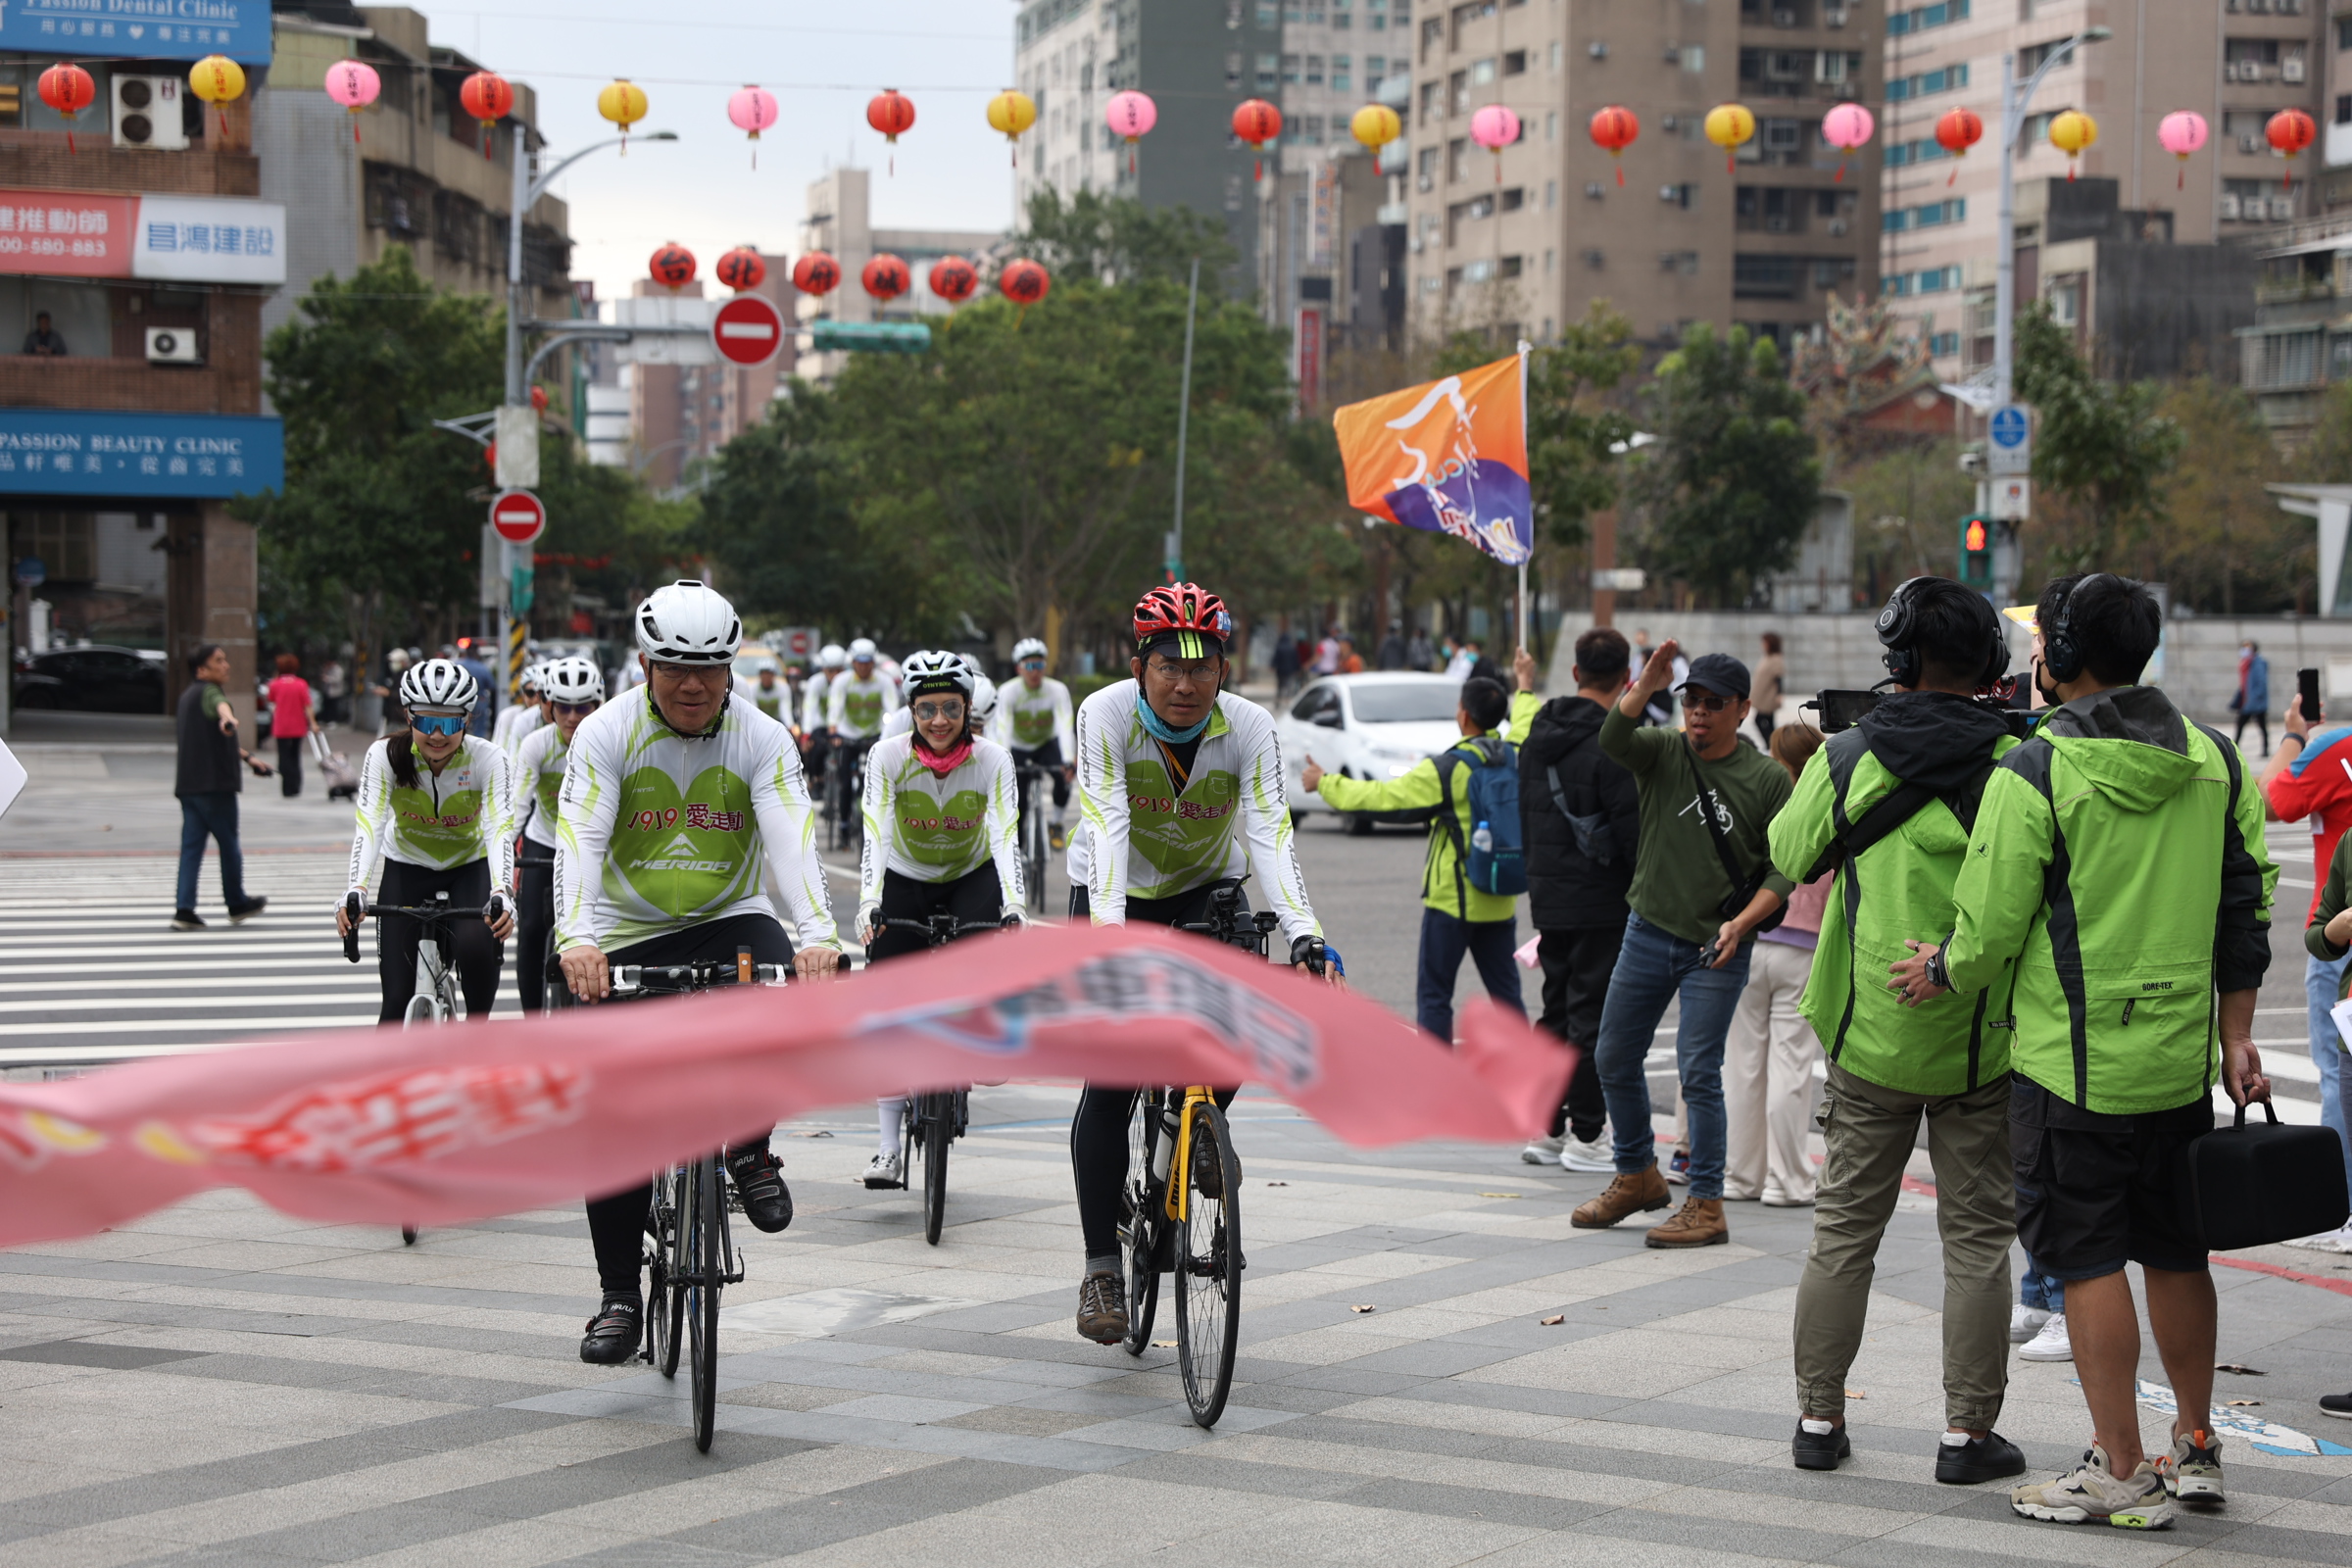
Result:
[814,710]
[856,707]
[538,780]
[1027,719]
[513,722]
[658,832]
[1155,836]
[933,828]
[776,701]
[899,721]
[464,812]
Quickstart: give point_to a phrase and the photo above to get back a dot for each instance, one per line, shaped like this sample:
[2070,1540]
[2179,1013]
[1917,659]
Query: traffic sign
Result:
[2012,500]
[30,572]
[748,330]
[518,517]
[2009,447]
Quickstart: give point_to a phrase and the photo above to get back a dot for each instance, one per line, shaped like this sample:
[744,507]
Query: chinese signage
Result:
[185,239]
[79,452]
[143,30]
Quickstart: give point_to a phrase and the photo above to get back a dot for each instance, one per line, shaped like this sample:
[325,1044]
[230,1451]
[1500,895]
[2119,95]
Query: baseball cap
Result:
[1719,673]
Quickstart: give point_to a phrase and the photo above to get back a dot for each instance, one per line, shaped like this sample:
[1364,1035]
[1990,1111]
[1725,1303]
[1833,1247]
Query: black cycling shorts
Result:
[2095,1191]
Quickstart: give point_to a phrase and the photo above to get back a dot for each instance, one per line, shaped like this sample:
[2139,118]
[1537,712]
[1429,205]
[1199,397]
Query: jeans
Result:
[210,816]
[1443,940]
[2038,1291]
[1653,969]
[2321,979]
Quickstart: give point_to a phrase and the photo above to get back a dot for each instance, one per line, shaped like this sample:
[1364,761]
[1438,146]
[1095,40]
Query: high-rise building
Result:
[1333,57]
[2237,64]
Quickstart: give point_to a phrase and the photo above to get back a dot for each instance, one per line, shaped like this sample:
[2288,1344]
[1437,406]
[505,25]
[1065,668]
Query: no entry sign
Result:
[518,517]
[747,329]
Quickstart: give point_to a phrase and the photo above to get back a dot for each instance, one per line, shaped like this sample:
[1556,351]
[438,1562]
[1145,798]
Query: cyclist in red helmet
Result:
[1180,793]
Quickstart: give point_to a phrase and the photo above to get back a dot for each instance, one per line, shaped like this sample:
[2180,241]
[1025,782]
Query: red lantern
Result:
[2290,130]
[816,273]
[1258,122]
[741,269]
[954,279]
[1025,282]
[489,98]
[672,266]
[1956,132]
[69,90]
[1614,128]
[886,277]
[892,113]
[539,399]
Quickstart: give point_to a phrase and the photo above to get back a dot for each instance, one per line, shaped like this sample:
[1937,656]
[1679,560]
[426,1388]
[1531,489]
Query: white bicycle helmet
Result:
[934,672]
[533,678]
[688,622]
[1029,647]
[572,681]
[864,648]
[831,657]
[439,683]
[984,700]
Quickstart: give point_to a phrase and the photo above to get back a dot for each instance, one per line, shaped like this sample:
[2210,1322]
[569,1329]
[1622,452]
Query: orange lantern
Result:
[886,277]
[2290,130]
[952,278]
[672,266]
[892,113]
[69,90]
[741,269]
[1615,127]
[1024,282]
[489,98]
[1258,122]
[816,273]
[1956,132]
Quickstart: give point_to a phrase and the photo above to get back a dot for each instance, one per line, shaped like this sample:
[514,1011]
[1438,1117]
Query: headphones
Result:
[2060,654]
[1898,633]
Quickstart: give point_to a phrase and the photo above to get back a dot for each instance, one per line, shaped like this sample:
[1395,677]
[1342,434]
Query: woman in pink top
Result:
[1768,1055]
[291,715]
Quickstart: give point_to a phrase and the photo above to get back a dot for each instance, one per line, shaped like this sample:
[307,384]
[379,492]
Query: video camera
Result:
[1843,710]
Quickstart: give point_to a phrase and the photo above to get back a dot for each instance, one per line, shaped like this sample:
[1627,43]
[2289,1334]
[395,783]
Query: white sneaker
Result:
[887,1171]
[1595,1157]
[2338,1239]
[2025,1322]
[1541,1151]
[2051,1344]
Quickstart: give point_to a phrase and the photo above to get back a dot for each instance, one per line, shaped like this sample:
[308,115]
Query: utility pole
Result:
[1183,411]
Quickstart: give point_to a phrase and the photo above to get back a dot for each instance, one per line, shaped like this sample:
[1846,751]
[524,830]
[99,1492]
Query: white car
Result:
[1373,726]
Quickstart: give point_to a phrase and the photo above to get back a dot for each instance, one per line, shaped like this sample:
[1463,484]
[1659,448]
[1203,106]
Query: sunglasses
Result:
[1708,701]
[573,707]
[441,724]
[1033,663]
[929,711]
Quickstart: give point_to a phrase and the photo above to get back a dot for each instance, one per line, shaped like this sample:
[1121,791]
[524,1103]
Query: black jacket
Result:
[1568,890]
[208,760]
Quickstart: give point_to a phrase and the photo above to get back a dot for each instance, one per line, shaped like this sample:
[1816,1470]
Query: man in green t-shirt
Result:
[1702,886]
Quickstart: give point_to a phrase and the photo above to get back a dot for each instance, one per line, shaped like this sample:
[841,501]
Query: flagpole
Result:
[1524,347]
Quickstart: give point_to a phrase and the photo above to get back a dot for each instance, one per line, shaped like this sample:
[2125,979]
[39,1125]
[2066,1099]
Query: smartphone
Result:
[2307,687]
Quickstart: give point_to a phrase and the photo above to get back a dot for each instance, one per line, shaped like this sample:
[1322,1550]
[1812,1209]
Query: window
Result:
[2344,32]
[1232,71]
[1481,71]
[1432,35]
[1314,71]
[1921,18]
[1373,15]
[1310,129]
[1433,102]
[1424,170]
[2344,108]
[1457,158]
[1342,18]
[1376,71]
[1289,68]
[1267,68]
[1341,78]
[1932,215]
[1552,128]
[1922,84]
[1457,92]
[1944,345]
[1269,15]
[1514,63]
[1764,277]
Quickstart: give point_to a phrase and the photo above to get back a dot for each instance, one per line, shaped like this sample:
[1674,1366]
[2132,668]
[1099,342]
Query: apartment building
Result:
[2235,61]
[1521,241]
[1332,59]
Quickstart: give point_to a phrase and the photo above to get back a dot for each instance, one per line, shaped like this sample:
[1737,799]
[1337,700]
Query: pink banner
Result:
[437,1126]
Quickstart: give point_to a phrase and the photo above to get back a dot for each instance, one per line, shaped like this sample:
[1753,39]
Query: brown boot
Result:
[1698,1223]
[1627,1194]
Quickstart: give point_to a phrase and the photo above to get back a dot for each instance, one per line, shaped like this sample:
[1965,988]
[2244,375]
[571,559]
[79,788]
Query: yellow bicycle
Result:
[1181,1207]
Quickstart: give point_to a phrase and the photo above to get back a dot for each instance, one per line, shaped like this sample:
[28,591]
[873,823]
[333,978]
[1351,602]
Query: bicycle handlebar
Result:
[942,929]
[639,979]
[432,912]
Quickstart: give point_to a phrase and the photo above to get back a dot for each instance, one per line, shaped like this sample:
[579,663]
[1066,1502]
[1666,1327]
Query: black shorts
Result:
[2096,1190]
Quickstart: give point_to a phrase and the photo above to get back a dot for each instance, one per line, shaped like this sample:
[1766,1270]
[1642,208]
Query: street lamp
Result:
[528,192]
[2013,119]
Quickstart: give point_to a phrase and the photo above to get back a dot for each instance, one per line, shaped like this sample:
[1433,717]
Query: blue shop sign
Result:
[82,452]
[142,29]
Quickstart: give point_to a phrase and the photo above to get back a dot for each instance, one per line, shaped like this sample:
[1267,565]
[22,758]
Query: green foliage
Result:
[1733,480]
[1105,238]
[1908,505]
[2226,548]
[2103,447]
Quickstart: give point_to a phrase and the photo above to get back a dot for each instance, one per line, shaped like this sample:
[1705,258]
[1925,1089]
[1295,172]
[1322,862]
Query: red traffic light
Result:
[1975,536]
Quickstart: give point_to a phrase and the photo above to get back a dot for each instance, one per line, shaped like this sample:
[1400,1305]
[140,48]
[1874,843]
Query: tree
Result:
[1909,500]
[1118,239]
[2103,447]
[1732,481]
[2225,547]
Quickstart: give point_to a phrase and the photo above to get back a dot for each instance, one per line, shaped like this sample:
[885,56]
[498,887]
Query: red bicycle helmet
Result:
[1180,607]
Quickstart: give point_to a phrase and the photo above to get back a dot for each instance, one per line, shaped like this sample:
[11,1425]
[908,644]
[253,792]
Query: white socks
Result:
[891,1112]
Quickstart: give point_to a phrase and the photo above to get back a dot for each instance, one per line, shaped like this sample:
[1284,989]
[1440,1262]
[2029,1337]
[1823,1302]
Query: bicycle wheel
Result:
[1139,1234]
[665,1295]
[1033,848]
[1209,1269]
[939,1121]
[709,1267]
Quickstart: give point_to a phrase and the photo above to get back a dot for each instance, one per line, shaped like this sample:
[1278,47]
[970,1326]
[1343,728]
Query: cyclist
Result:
[901,720]
[816,721]
[1180,784]
[446,827]
[773,695]
[1033,718]
[524,714]
[857,701]
[673,795]
[573,689]
[939,839]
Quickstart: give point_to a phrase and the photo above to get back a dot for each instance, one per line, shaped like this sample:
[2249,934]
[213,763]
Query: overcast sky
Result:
[821,61]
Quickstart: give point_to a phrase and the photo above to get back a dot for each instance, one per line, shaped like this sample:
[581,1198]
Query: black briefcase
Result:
[2252,1185]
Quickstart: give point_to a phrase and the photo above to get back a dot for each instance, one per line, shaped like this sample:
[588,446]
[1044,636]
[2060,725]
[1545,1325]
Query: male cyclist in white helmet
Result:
[1033,723]
[572,689]
[672,797]
[522,715]
[816,723]
[856,703]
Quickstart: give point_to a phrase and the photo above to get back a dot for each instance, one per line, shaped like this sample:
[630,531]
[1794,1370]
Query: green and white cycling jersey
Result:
[658,832]
[513,722]
[776,701]
[1027,719]
[1152,838]
[538,780]
[934,828]
[814,712]
[856,708]
[464,812]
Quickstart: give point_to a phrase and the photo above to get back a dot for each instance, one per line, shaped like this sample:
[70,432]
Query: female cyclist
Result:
[436,804]
[940,829]
[571,689]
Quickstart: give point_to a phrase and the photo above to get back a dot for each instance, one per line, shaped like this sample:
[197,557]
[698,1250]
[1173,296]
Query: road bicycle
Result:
[1034,782]
[690,1255]
[930,1121]
[845,792]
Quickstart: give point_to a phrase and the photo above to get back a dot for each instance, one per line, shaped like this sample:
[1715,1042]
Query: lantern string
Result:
[1620,172]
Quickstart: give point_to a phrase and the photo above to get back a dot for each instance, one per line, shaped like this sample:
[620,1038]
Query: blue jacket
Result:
[2254,696]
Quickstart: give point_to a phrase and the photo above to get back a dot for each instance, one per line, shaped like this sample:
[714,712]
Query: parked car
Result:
[1373,726]
[96,679]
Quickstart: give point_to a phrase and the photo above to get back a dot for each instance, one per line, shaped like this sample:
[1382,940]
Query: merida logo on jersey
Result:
[680,854]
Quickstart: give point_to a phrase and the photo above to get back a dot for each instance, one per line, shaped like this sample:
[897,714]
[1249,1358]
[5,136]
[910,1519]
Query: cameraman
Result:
[1889,803]
[2118,862]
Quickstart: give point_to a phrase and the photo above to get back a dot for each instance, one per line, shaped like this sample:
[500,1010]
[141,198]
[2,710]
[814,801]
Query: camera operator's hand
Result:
[1911,975]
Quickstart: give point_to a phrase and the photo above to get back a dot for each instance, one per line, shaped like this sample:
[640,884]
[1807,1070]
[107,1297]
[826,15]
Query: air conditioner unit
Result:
[1668,121]
[2291,69]
[1595,189]
[1598,51]
[1833,15]
[1775,223]
[1674,54]
[1837,227]
[147,113]
[171,345]
[2252,141]
[1784,17]
[1670,193]
[1595,260]
[2230,208]
[2283,209]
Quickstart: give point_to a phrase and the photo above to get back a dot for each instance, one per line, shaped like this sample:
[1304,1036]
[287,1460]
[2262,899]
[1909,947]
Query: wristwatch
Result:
[1937,975]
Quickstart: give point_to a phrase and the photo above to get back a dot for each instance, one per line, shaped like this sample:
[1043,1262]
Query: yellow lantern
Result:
[2071,132]
[1731,127]
[1375,125]
[217,79]
[1013,113]
[623,104]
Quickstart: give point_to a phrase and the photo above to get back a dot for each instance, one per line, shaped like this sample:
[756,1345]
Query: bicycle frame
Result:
[1173,1201]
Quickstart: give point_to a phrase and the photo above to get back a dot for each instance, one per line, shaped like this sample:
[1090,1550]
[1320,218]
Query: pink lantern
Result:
[354,85]
[2181,132]
[1847,127]
[1130,115]
[1495,127]
[752,110]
